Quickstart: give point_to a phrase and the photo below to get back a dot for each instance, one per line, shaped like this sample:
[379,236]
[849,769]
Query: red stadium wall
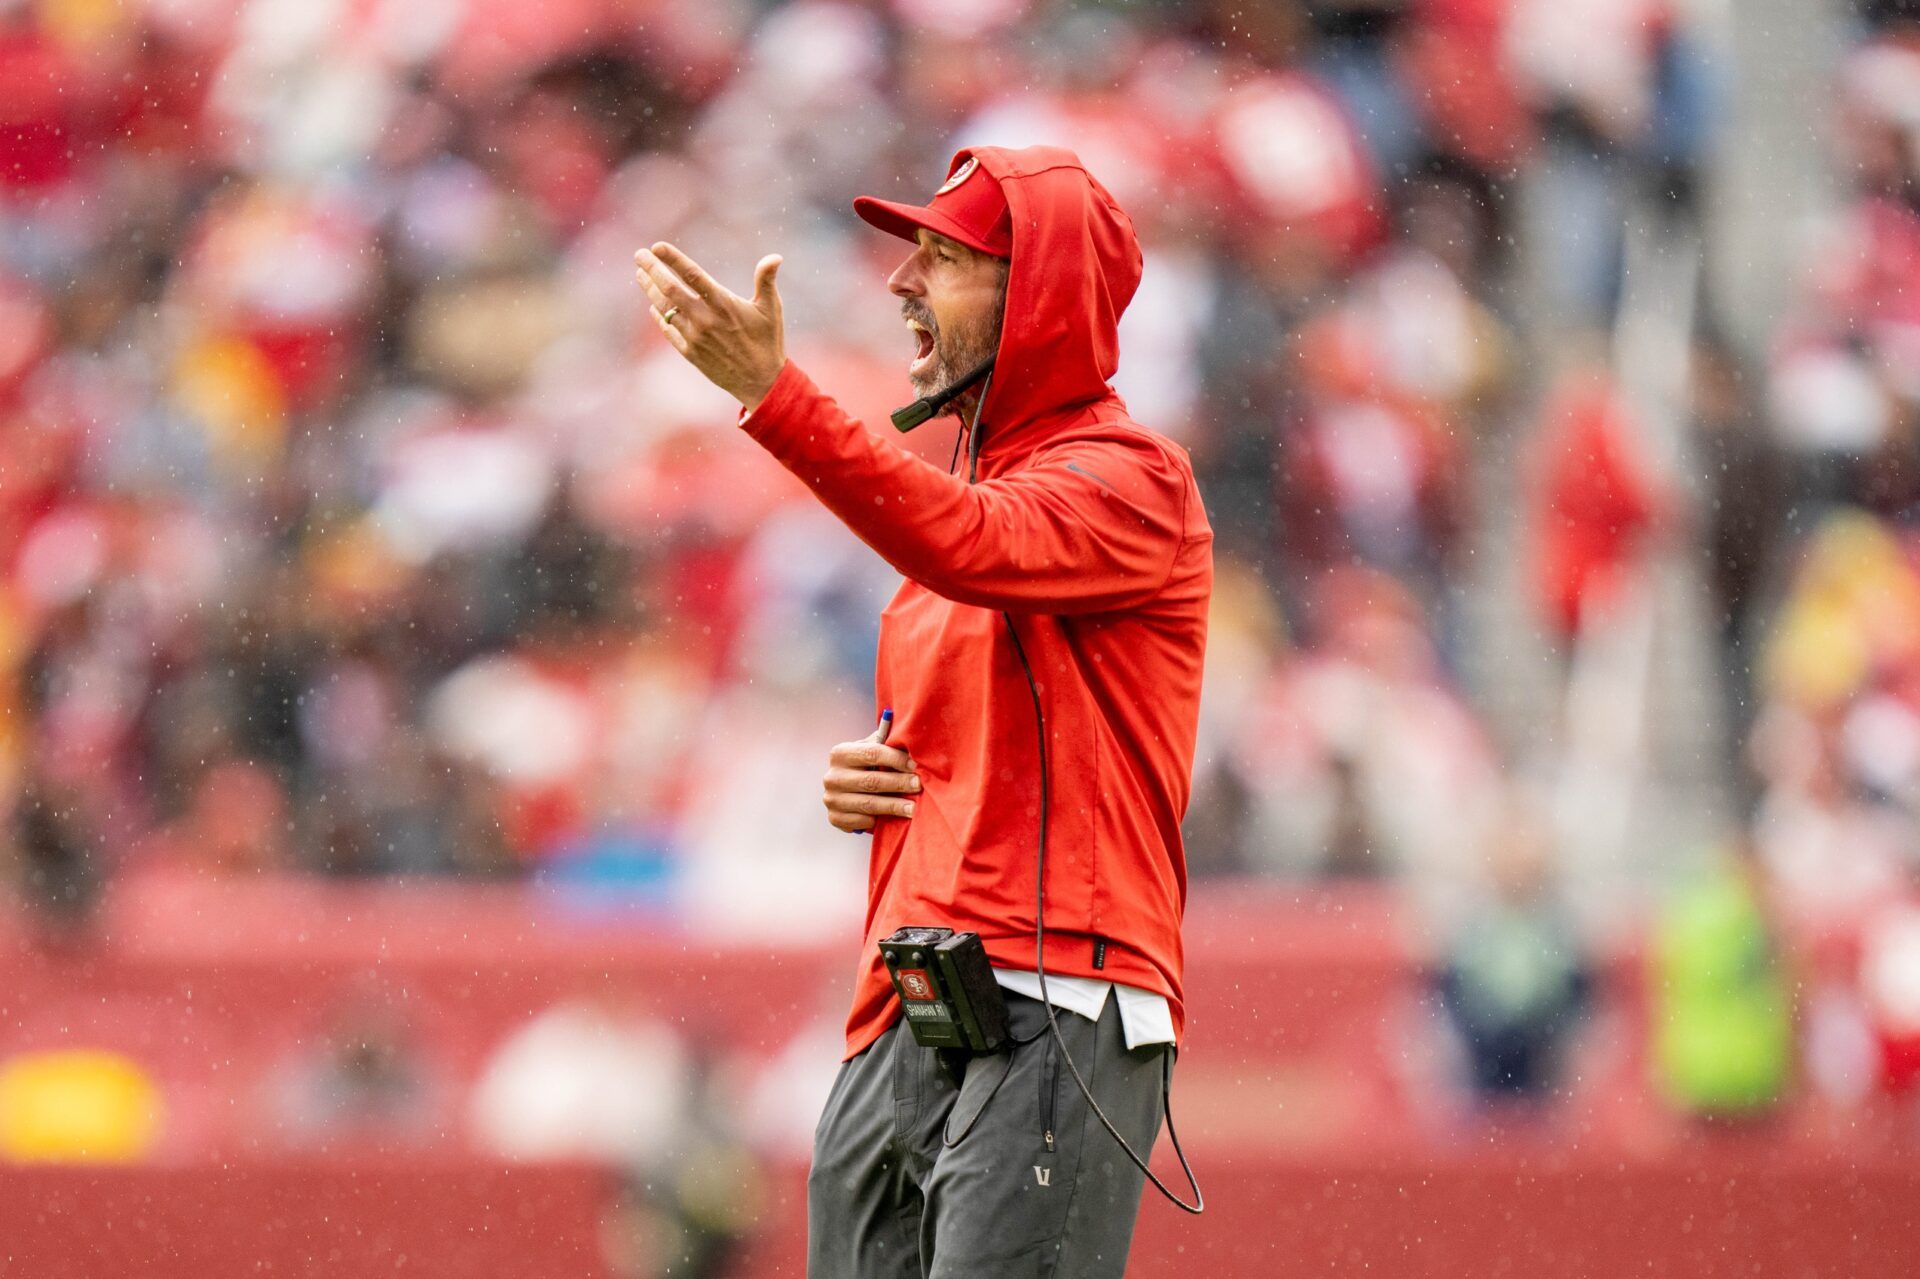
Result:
[1316,1157]
[1727,1214]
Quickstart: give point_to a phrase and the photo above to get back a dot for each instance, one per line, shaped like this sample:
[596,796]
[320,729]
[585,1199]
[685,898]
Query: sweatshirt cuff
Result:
[789,386]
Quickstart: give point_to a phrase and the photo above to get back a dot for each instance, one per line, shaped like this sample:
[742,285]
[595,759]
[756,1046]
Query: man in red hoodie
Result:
[1075,572]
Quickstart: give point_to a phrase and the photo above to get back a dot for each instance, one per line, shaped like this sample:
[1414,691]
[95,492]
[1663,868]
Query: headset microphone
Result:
[923,410]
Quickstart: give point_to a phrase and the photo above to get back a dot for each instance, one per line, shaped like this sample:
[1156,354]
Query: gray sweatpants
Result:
[889,1198]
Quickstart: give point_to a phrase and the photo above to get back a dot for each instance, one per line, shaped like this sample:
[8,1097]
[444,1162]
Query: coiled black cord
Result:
[1199,1204]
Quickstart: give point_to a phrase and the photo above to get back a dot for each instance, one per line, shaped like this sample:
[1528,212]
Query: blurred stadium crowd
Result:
[353,519]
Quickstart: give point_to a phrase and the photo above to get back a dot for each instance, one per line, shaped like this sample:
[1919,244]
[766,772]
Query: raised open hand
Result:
[739,343]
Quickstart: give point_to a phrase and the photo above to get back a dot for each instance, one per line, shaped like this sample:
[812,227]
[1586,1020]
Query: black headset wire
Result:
[1199,1204]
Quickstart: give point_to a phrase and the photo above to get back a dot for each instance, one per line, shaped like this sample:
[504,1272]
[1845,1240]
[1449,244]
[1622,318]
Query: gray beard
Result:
[950,366]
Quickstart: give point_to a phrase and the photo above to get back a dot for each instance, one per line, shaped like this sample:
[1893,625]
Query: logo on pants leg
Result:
[1043,1175]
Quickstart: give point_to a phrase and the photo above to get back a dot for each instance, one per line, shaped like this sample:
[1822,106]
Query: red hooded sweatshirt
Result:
[1087,529]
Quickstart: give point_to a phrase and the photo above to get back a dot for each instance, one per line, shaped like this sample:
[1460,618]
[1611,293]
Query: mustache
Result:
[908,311]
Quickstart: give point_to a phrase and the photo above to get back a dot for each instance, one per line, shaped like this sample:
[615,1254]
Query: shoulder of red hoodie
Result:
[1091,515]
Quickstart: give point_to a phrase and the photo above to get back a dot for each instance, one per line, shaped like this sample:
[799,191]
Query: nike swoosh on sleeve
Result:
[1080,470]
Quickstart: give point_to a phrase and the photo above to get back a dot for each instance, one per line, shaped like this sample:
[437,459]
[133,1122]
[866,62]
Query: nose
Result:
[906,279]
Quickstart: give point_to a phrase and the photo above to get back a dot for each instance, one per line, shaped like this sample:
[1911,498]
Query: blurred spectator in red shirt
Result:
[1594,503]
[1845,378]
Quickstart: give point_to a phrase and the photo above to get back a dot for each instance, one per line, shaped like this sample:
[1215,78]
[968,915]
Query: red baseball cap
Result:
[968,207]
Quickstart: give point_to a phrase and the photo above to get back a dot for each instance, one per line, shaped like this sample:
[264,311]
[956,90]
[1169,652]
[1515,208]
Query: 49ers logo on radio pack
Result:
[947,988]
[916,985]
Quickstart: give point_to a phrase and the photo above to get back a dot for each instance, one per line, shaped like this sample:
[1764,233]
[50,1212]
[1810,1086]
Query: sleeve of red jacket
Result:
[1093,525]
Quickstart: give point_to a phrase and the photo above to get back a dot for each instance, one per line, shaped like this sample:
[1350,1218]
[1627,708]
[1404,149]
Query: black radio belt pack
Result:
[947,988]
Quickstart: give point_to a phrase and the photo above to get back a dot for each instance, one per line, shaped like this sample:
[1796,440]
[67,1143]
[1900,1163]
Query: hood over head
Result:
[1075,264]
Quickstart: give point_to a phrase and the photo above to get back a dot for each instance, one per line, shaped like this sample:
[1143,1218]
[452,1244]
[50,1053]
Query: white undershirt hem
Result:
[1145,1016]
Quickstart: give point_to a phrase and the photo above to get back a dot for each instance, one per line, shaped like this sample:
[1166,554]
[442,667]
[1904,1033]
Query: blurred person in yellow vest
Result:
[1723,1034]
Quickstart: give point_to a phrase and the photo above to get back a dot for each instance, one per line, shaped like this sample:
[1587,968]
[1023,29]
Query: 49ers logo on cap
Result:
[959,176]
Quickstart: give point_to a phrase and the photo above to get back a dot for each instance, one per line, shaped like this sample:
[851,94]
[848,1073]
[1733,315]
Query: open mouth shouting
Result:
[924,356]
